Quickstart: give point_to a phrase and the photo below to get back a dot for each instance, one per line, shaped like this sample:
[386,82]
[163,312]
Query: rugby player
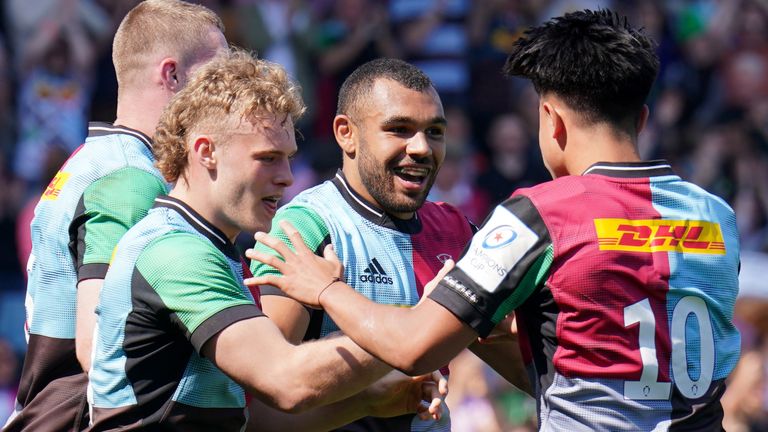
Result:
[623,276]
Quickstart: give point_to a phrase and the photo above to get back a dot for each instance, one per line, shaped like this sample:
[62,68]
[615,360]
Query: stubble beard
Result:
[378,180]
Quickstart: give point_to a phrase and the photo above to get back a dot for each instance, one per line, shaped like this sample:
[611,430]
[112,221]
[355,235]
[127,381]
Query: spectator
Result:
[54,91]
[514,160]
[455,182]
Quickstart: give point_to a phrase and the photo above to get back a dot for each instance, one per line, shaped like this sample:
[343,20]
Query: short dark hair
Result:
[359,83]
[594,60]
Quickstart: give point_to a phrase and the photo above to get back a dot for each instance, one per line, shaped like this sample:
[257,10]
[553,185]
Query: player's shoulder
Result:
[315,195]
[117,146]
[178,250]
[313,204]
[444,213]
[438,208]
[298,212]
[696,193]
[558,191]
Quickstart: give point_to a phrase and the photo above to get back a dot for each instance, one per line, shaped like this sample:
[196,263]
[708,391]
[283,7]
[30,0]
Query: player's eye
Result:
[436,133]
[398,129]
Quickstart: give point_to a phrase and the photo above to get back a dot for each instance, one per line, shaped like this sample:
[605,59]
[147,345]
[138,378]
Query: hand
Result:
[304,274]
[505,331]
[430,286]
[397,394]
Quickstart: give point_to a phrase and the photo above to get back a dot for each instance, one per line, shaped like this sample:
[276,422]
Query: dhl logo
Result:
[659,235]
[54,187]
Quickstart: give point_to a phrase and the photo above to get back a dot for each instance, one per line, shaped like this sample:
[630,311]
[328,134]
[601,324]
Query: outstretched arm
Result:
[288,377]
[505,358]
[416,341]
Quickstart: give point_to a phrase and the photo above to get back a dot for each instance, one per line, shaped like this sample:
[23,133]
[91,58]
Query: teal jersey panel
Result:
[53,268]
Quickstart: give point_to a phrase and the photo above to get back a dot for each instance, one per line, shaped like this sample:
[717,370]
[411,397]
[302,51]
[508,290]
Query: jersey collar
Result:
[372,212]
[96,129]
[642,169]
[207,229]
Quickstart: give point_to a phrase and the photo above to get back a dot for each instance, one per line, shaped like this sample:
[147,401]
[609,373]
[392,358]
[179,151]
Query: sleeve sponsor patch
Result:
[53,190]
[495,250]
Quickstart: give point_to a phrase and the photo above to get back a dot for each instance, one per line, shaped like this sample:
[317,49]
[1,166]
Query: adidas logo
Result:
[375,273]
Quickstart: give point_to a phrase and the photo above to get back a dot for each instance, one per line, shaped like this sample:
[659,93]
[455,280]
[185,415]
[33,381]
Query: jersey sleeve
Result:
[506,261]
[196,286]
[310,225]
[107,209]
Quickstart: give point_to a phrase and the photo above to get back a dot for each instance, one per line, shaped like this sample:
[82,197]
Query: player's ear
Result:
[170,75]
[555,122]
[344,132]
[204,151]
[642,120]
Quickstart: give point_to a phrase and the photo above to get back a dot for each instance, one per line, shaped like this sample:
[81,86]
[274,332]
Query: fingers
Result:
[436,408]
[442,382]
[268,259]
[329,253]
[448,265]
[509,323]
[505,331]
[434,387]
[274,243]
[430,286]
[295,237]
[431,402]
[273,280]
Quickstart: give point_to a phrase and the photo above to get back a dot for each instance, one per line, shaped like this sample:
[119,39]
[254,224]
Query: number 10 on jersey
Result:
[649,387]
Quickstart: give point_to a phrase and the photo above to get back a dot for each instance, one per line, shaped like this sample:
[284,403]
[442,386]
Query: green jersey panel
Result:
[175,282]
[311,226]
[110,206]
[52,387]
[192,278]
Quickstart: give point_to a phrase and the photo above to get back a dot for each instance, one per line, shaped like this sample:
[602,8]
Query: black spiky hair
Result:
[594,60]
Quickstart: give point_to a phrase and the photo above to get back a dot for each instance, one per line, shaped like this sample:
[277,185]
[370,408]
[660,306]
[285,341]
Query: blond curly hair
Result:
[232,87]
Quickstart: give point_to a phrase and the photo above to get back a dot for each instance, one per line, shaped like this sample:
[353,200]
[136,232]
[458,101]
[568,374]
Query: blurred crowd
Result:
[709,118]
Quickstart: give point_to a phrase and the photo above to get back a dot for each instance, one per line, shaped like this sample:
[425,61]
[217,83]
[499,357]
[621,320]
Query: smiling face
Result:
[400,145]
[252,171]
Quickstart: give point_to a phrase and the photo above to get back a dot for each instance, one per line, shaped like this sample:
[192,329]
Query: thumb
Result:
[430,286]
[329,253]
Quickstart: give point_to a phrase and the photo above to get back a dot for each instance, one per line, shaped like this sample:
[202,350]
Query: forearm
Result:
[334,415]
[414,340]
[289,377]
[505,358]
[334,368]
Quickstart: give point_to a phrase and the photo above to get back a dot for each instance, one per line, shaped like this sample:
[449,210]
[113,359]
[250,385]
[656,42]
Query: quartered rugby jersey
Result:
[106,186]
[388,260]
[624,281]
[175,282]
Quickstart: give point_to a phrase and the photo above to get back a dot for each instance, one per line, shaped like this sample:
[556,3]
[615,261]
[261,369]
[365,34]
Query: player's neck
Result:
[590,146]
[140,111]
[356,184]
[203,205]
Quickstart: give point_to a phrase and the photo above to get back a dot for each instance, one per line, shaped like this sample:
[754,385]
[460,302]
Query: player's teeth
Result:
[417,172]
